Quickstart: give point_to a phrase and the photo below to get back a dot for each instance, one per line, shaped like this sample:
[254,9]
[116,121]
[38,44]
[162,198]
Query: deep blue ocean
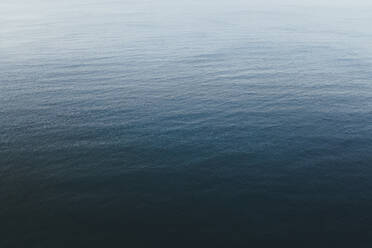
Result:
[185,124]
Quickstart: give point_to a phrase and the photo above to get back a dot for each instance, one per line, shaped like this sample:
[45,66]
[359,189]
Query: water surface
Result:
[185,124]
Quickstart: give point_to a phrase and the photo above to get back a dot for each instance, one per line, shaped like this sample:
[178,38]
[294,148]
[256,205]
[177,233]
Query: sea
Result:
[159,123]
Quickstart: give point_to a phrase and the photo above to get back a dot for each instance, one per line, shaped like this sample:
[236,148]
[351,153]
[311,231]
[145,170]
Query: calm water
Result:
[185,124]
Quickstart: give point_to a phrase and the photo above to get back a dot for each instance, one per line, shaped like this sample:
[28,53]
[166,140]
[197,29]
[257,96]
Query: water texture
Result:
[185,124]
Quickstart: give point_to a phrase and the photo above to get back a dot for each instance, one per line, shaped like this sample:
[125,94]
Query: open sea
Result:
[159,123]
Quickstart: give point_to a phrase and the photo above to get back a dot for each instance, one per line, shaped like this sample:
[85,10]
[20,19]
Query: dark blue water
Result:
[185,124]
